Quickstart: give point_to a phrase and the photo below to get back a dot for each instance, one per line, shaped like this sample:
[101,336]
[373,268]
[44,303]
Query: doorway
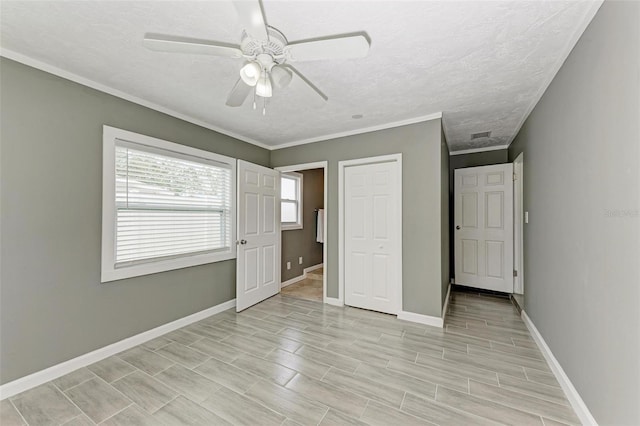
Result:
[370,232]
[304,231]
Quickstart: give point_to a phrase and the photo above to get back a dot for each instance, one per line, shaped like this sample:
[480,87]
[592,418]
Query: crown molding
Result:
[566,50]
[475,150]
[360,131]
[67,75]
[51,69]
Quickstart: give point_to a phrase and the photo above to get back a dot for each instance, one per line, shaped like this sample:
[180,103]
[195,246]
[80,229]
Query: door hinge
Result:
[515,177]
[515,273]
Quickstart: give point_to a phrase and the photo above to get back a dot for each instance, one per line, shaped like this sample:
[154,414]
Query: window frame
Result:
[299,178]
[109,272]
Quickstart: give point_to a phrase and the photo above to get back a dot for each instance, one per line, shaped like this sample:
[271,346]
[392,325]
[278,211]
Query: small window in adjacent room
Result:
[165,206]
[291,199]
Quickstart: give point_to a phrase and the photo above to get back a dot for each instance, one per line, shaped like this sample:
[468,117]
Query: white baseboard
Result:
[573,396]
[40,377]
[292,281]
[333,301]
[301,277]
[446,304]
[422,319]
[313,268]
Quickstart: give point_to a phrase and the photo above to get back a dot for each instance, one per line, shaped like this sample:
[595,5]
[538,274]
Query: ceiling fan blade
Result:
[175,44]
[334,47]
[238,94]
[251,17]
[301,80]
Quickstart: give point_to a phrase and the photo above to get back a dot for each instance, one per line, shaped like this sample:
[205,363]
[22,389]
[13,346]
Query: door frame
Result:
[342,165]
[518,223]
[310,166]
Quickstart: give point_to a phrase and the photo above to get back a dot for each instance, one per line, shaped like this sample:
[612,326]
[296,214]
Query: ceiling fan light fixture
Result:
[250,73]
[263,87]
[281,76]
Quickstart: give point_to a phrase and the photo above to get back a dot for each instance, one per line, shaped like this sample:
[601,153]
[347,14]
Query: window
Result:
[165,206]
[291,201]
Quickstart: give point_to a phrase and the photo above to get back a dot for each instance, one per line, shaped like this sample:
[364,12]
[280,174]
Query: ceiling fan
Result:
[267,53]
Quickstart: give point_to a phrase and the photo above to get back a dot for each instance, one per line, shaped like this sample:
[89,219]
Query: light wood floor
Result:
[288,361]
[309,289]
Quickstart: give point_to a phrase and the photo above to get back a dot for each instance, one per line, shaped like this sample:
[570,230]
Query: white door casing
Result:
[372,228]
[258,261]
[483,234]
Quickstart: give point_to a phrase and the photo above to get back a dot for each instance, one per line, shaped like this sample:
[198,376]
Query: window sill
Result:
[113,274]
[290,227]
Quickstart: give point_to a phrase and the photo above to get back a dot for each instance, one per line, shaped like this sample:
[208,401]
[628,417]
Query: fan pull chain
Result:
[264,100]
[254,98]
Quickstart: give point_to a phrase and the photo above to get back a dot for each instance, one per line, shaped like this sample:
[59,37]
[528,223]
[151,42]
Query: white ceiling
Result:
[484,65]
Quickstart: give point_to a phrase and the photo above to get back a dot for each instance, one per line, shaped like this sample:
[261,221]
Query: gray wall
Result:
[420,145]
[444,215]
[461,161]
[302,242]
[52,305]
[582,190]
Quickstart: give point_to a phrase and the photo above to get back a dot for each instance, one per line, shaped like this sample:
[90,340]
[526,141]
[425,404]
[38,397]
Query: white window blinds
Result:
[169,204]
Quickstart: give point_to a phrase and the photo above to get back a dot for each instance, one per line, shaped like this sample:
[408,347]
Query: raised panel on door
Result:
[469,180]
[269,259]
[252,216]
[251,178]
[251,259]
[269,214]
[494,178]
[483,227]
[380,222]
[357,271]
[494,254]
[381,278]
[356,225]
[494,209]
[470,257]
[469,210]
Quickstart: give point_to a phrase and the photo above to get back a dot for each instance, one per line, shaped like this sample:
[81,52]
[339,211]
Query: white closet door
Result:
[483,234]
[371,240]
[258,262]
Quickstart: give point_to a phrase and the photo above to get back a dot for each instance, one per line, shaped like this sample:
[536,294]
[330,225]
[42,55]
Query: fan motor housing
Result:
[274,47]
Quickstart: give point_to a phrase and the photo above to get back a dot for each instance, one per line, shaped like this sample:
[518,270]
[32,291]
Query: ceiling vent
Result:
[480,135]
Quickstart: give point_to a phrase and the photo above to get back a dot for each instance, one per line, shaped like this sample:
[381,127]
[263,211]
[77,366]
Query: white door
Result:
[483,234]
[372,230]
[258,261]
[518,225]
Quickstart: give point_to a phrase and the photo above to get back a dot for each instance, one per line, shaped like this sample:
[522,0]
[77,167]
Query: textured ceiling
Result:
[482,64]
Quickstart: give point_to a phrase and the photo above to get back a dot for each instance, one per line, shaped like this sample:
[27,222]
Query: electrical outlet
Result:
[288,265]
[300,260]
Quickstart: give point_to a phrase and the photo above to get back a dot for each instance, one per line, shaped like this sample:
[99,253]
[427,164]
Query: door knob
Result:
[458,227]
[243,242]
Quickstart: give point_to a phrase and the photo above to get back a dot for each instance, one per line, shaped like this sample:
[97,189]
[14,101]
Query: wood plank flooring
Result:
[309,288]
[290,361]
